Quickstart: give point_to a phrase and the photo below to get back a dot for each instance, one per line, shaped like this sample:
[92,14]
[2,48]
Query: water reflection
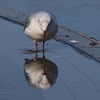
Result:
[40,72]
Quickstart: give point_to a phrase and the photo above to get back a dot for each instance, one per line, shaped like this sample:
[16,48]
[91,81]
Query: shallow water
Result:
[78,76]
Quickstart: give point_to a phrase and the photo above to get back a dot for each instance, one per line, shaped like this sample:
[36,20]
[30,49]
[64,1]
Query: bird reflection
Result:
[40,72]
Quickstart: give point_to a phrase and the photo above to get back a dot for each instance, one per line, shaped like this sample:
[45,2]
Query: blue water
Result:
[78,76]
[80,15]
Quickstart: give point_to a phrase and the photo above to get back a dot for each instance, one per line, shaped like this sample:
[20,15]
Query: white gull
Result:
[41,26]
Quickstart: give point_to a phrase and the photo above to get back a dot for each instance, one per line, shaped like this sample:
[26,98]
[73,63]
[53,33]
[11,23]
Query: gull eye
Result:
[50,23]
[40,79]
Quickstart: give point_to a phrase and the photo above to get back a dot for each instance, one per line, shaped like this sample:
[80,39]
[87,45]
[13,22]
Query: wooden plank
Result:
[84,44]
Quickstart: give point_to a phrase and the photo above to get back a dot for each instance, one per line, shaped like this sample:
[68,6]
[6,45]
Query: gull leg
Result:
[36,49]
[43,48]
[43,54]
[44,43]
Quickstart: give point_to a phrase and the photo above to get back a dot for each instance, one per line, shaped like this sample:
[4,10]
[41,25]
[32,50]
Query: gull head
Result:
[44,82]
[44,22]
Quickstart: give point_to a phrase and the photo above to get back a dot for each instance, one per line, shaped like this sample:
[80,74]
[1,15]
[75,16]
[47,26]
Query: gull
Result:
[40,73]
[40,26]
